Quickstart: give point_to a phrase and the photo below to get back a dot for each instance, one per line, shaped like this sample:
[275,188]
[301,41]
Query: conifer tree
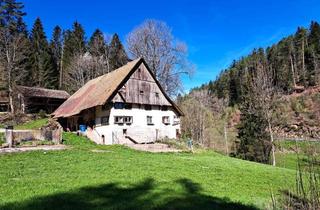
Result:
[56,45]
[97,46]
[44,72]
[117,54]
[73,47]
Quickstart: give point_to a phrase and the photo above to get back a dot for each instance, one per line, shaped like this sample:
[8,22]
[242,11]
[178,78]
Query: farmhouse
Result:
[33,99]
[125,106]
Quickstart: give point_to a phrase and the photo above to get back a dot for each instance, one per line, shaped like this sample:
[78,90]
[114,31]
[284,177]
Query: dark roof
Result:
[42,92]
[97,91]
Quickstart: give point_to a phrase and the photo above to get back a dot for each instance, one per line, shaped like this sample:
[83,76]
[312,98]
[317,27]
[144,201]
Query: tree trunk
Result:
[272,144]
[226,138]
[303,63]
[292,71]
[60,69]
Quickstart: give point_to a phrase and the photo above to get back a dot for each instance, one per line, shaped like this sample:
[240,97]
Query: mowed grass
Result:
[88,176]
[34,124]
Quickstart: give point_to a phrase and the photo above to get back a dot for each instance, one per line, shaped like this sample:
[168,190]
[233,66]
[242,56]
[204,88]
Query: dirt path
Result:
[153,147]
[25,149]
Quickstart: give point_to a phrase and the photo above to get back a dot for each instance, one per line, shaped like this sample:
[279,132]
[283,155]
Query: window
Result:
[123,120]
[124,131]
[119,105]
[118,120]
[164,108]
[157,94]
[147,107]
[127,119]
[128,106]
[149,120]
[105,120]
[141,92]
[176,120]
[166,120]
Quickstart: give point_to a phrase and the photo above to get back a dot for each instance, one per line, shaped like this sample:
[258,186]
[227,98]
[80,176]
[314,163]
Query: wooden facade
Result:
[141,88]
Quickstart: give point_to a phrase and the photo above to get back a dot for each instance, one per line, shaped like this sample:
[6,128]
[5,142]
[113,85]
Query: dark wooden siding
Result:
[141,89]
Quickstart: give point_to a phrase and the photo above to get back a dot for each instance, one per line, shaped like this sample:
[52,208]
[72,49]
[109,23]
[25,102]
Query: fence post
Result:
[9,136]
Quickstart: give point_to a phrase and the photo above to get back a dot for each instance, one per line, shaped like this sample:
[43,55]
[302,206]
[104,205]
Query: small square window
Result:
[166,120]
[149,120]
[157,94]
[118,120]
[124,131]
[141,92]
[127,119]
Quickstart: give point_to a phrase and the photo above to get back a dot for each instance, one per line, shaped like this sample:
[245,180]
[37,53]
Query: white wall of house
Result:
[139,129]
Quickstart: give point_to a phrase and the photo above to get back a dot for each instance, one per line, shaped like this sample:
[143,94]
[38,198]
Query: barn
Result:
[33,99]
[127,105]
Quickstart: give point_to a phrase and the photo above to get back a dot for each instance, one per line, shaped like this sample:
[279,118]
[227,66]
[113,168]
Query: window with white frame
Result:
[127,119]
[123,120]
[149,120]
[166,120]
[176,120]
[118,119]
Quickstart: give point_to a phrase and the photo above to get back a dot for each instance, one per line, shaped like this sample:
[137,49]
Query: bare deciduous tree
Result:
[85,67]
[12,54]
[167,57]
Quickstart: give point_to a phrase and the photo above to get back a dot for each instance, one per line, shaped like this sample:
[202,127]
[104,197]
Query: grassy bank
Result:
[87,176]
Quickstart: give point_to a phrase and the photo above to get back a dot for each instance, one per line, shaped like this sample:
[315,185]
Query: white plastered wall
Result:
[138,130]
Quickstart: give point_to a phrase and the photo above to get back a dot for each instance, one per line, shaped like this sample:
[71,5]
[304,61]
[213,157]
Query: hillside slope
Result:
[115,177]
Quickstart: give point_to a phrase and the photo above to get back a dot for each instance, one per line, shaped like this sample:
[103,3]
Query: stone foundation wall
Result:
[17,136]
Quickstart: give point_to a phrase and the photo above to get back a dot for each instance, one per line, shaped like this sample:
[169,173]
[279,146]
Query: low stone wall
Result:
[14,137]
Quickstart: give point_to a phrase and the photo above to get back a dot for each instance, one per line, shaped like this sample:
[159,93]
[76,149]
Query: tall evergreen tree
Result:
[97,46]
[44,71]
[74,46]
[56,45]
[117,54]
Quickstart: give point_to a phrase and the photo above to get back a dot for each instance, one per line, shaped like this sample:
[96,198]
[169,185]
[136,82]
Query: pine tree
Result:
[117,54]
[301,44]
[313,54]
[44,71]
[74,46]
[97,46]
[254,144]
[56,45]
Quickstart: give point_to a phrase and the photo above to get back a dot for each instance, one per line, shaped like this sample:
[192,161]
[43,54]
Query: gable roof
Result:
[97,91]
[42,92]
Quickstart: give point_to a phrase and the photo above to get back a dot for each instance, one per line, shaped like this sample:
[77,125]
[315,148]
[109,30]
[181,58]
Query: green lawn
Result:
[34,124]
[291,151]
[87,176]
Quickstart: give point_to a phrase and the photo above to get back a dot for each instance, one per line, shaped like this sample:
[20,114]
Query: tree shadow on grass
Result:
[139,196]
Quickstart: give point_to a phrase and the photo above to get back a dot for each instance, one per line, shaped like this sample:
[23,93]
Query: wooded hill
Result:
[294,63]
[271,93]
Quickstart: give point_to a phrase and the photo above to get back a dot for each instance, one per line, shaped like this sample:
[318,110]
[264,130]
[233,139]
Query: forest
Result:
[262,95]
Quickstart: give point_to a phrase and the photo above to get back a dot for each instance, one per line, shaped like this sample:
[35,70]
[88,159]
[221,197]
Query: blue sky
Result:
[216,32]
